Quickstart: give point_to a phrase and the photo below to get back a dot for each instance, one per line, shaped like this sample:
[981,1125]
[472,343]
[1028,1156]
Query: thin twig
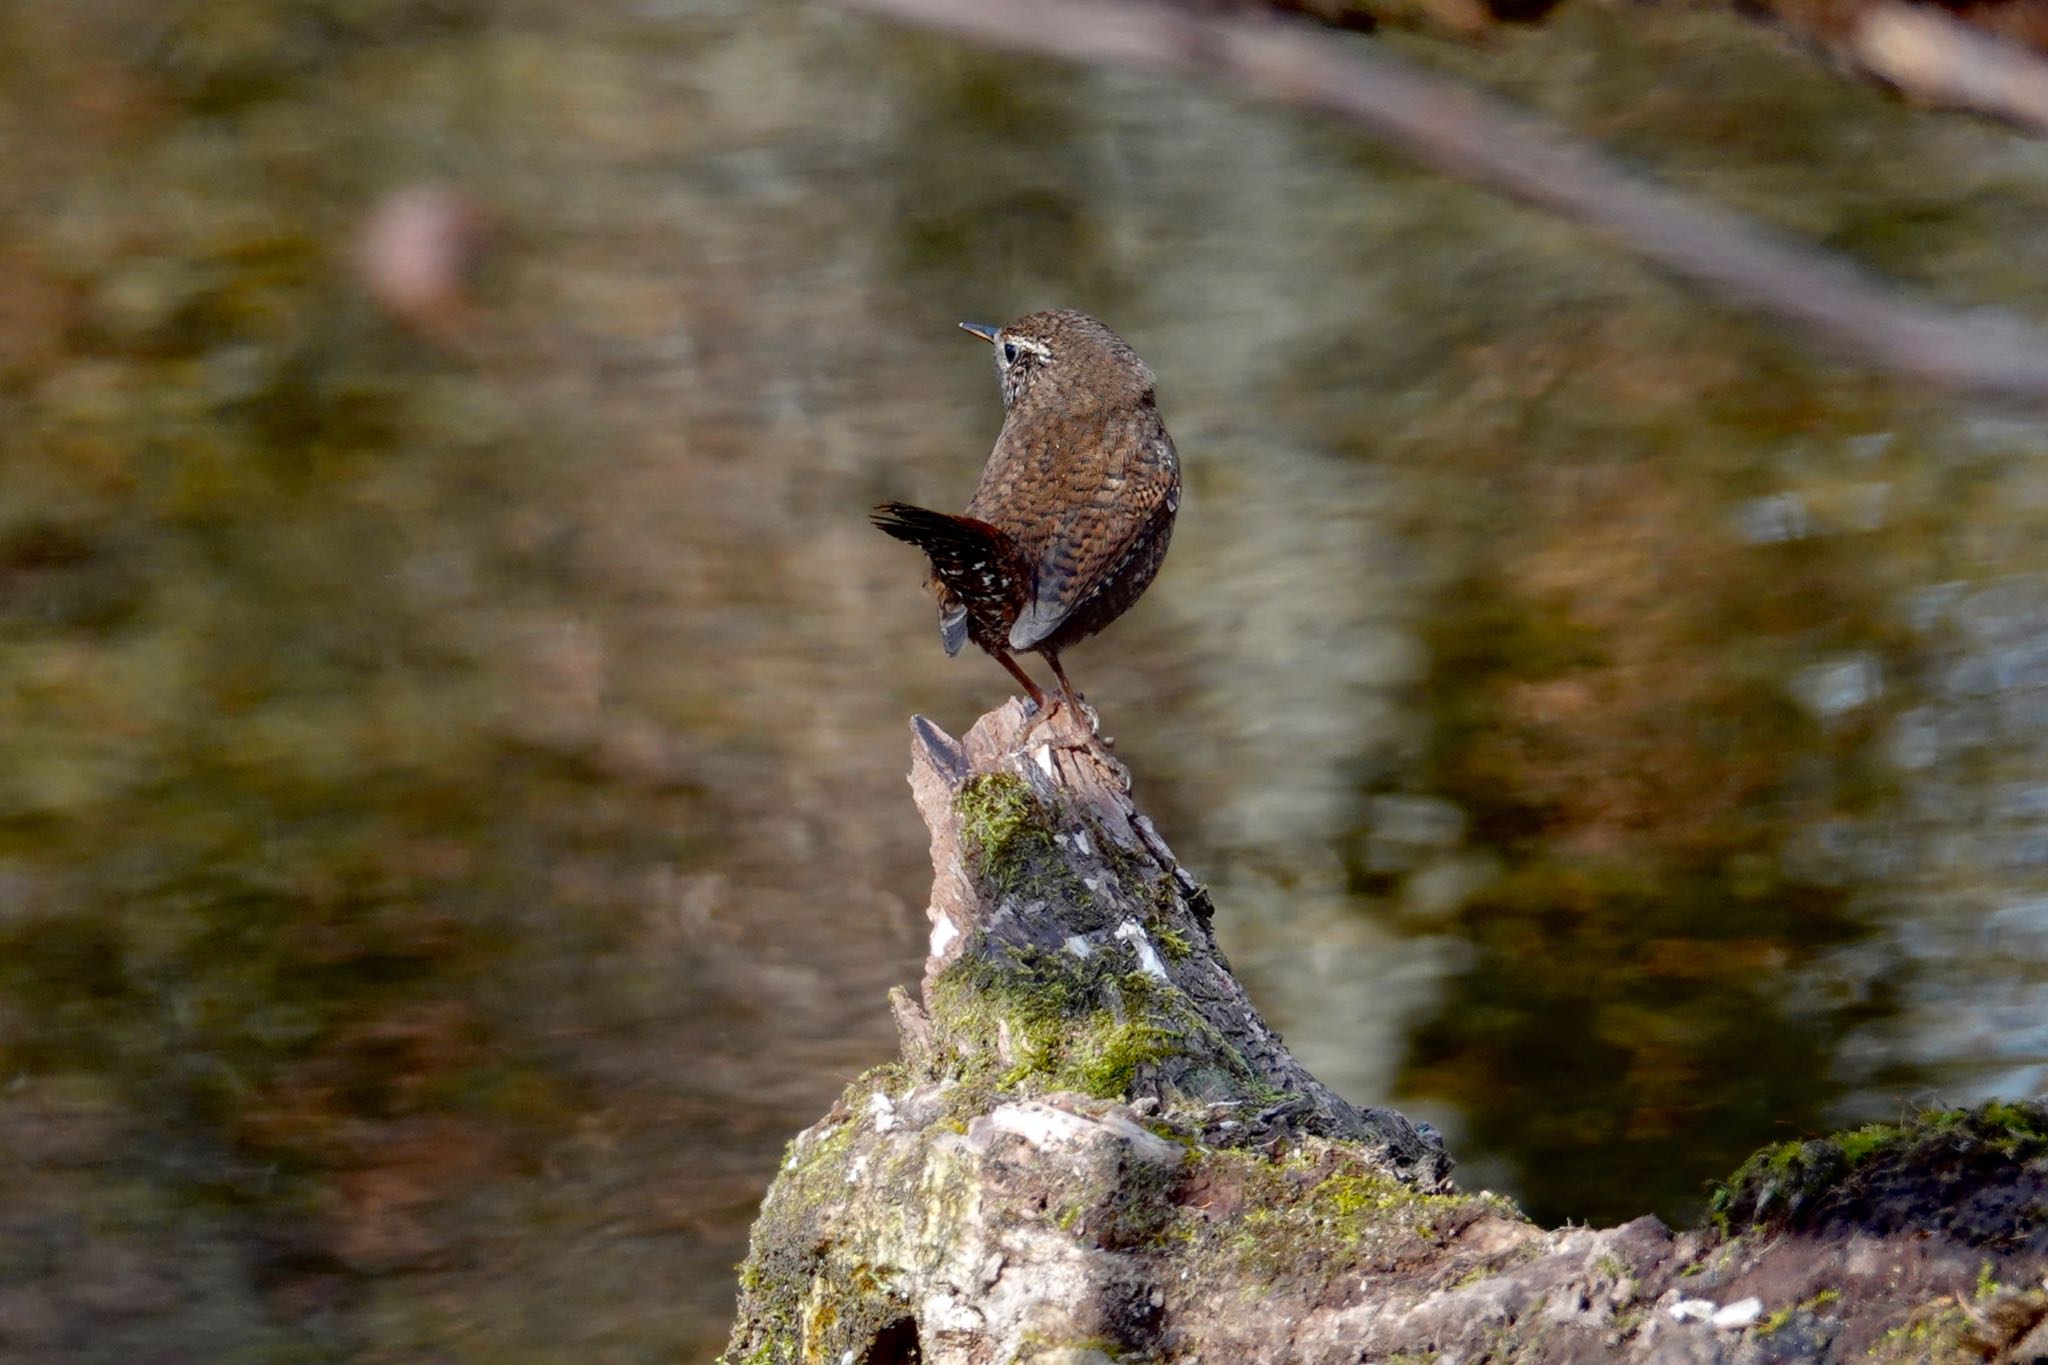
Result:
[1478,138]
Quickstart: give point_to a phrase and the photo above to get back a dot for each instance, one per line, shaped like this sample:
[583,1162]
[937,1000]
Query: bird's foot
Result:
[1087,722]
[1043,709]
[1074,724]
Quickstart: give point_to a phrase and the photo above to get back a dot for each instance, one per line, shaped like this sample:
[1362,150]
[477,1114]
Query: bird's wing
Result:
[1095,535]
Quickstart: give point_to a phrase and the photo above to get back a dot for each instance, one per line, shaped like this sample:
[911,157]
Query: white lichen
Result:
[1133,933]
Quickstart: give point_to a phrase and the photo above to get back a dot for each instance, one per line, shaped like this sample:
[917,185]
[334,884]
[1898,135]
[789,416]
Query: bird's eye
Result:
[1009,353]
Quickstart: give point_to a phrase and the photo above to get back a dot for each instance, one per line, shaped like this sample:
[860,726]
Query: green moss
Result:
[995,810]
[1803,1183]
[1056,1020]
[1780,1320]
[2014,1128]
[1936,1331]
[1104,1060]
[1066,1023]
[1351,1196]
[1861,1142]
[791,1250]
[1320,1213]
[1949,1328]
[1028,1011]
[1007,835]
[1471,1277]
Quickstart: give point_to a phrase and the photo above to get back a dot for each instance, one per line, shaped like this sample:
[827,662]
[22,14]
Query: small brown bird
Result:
[1075,506]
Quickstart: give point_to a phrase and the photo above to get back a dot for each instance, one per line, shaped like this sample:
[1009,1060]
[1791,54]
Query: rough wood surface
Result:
[1093,1149]
[1085,879]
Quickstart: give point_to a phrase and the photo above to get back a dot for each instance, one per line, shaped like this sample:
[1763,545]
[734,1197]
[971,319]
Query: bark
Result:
[1092,1148]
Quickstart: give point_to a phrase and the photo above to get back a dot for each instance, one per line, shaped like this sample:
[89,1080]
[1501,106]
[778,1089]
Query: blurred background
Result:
[452,822]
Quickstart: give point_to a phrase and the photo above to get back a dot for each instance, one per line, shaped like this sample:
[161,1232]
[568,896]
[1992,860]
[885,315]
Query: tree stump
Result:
[1092,1148]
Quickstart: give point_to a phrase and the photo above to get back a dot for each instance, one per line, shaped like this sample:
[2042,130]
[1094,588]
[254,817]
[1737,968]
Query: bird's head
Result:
[1066,359]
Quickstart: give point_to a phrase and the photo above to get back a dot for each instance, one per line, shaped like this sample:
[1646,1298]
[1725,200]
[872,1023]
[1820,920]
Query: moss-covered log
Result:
[1093,1149]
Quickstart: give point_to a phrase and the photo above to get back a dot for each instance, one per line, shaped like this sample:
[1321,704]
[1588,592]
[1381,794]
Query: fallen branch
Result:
[1483,140]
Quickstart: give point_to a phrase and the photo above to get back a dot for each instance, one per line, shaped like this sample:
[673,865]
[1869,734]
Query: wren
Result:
[1075,507]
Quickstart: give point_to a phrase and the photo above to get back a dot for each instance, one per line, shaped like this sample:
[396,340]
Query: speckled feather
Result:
[1075,507]
[975,570]
[1083,475]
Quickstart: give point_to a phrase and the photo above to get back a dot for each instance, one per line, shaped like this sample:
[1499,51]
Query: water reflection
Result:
[451,823]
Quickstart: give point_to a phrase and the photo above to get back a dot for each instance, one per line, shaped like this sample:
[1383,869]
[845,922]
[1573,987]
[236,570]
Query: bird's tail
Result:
[980,573]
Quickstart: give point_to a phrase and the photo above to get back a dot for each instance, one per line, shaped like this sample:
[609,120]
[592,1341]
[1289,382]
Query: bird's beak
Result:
[982,330]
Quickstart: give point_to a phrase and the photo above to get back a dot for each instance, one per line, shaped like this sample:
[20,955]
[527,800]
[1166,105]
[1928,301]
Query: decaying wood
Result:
[1098,883]
[1483,140]
[1093,1149]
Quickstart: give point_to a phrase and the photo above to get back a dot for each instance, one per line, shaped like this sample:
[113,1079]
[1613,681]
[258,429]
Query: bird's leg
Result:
[1073,698]
[1066,688]
[1038,698]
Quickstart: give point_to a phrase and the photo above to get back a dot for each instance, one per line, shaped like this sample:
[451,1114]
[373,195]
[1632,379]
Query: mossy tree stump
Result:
[1070,952]
[1092,1148]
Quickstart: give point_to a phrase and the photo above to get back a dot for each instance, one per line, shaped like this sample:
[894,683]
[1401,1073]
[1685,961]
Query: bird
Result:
[1075,508]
